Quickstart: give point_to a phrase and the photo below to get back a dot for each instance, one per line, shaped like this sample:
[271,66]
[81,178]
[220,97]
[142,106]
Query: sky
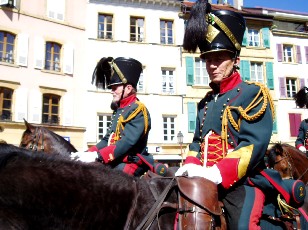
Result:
[292,5]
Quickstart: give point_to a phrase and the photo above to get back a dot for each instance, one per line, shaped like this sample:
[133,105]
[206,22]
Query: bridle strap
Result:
[147,221]
[35,142]
[132,210]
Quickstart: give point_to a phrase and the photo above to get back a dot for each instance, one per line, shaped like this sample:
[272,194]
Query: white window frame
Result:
[139,29]
[140,84]
[254,38]
[165,37]
[104,33]
[169,129]
[256,72]
[291,86]
[168,80]
[103,124]
[288,53]
[201,74]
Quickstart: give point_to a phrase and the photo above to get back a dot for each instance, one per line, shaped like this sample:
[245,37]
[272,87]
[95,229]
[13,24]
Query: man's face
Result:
[219,65]
[117,90]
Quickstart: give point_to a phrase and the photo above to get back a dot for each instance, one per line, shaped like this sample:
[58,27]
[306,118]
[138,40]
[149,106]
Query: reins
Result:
[153,212]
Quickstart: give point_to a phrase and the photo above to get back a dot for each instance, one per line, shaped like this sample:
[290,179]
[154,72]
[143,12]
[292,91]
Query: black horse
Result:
[41,191]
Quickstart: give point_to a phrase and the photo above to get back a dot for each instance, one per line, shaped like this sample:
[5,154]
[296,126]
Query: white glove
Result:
[84,156]
[303,149]
[212,173]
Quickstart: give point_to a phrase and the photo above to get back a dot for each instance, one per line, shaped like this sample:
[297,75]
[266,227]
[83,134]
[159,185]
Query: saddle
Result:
[199,207]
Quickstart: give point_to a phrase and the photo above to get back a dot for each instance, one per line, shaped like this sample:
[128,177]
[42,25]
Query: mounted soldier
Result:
[234,124]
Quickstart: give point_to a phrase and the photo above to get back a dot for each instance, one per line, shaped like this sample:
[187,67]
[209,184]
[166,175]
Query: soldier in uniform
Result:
[234,120]
[124,145]
[301,100]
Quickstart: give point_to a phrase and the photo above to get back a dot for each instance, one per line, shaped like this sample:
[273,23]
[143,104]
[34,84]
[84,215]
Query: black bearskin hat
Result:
[301,98]
[121,70]
[213,31]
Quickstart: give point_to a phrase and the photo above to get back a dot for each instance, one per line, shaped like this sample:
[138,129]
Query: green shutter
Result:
[244,42]
[274,126]
[189,70]
[269,75]
[245,70]
[266,37]
[191,110]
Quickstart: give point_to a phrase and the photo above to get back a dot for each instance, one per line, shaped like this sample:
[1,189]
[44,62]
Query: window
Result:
[140,85]
[53,54]
[288,53]
[202,77]
[253,37]
[291,87]
[104,121]
[167,81]
[136,29]
[56,9]
[6,95]
[256,72]
[50,113]
[7,41]
[166,32]
[169,129]
[105,26]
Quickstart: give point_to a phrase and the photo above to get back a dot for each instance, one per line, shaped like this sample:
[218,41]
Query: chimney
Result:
[238,4]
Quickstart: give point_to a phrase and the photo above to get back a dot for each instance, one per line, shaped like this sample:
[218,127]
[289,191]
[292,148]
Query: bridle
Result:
[290,163]
[39,134]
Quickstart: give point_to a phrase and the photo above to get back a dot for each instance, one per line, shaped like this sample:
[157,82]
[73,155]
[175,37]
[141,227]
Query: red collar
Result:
[227,83]
[128,100]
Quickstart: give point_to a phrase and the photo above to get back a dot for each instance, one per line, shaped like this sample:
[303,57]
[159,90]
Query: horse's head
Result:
[38,138]
[30,139]
[278,159]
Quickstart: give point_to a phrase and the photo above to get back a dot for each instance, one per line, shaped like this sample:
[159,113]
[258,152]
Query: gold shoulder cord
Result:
[227,115]
[122,122]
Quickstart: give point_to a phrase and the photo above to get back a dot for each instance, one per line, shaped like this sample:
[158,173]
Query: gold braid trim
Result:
[121,122]
[227,115]
[286,210]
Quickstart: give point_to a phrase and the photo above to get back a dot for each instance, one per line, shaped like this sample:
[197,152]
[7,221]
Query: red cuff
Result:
[192,160]
[93,149]
[228,170]
[107,153]
[299,145]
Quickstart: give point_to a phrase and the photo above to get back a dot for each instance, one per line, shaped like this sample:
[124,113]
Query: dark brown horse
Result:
[288,161]
[43,191]
[39,138]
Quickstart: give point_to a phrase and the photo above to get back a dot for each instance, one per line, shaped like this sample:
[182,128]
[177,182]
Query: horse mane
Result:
[58,137]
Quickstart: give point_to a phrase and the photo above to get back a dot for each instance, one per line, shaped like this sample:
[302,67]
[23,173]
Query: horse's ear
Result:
[29,126]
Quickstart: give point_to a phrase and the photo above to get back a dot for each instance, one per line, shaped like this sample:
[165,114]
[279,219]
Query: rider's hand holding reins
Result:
[211,173]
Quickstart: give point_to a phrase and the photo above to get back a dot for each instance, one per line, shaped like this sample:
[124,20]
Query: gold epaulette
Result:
[121,122]
[262,96]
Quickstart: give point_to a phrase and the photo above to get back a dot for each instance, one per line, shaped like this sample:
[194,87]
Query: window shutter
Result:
[279,52]
[245,70]
[22,49]
[244,42]
[269,75]
[67,110]
[191,108]
[306,53]
[55,9]
[189,70]
[21,104]
[301,82]
[266,37]
[35,106]
[68,62]
[275,126]
[294,120]
[39,52]
[282,87]
[298,55]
